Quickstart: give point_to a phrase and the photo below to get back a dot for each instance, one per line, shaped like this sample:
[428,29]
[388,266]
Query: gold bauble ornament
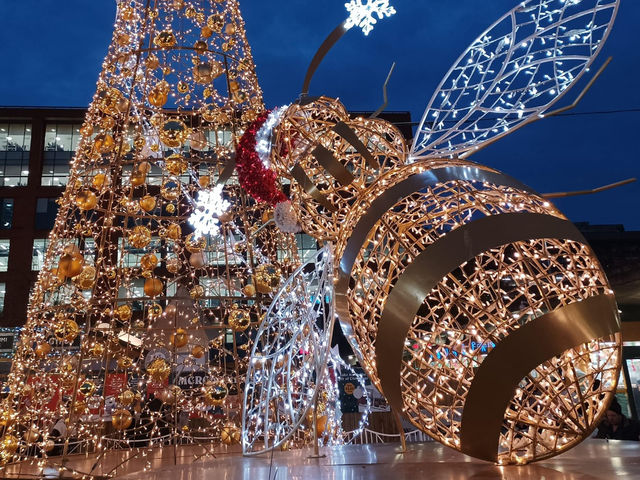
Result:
[200,46]
[124,362]
[195,245]
[249,290]
[140,237]
[152,62]
[149,261]
[86,200]
[170,208]
[98,180]
[230,29]
[183,87]
[176,164]
[9,444]
[86,278]
[159,94]
[267,277]
[87,388]
[173,265]
[173,133]
[124,313]
[153,287]
[144,167]
[148,203]
[42,349]
[204,181]
[110,100]
[198,351]
[159,370]
[66,330]
[197,260]
[70,265]
[180,338]
[104,143]
[121,419]
[49,445]
[197,292]
[126,398]
[216,22]
[97,350]
[173,231]
[137,178]
[230,434]
[86,130]
[170,189]
[207,72]
[154,311]
[239,319]
[165,39]
[198,140]
[214,393]
[206,32]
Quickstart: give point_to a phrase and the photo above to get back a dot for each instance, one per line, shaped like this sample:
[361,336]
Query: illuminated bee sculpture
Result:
[474,305]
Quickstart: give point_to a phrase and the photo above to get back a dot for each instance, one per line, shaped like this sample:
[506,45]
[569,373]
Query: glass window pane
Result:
[46,212]
[37,257]
[3,291]
[4,255]
[6,213]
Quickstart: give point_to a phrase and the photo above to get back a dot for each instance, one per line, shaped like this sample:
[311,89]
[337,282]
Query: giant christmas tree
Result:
[138,327]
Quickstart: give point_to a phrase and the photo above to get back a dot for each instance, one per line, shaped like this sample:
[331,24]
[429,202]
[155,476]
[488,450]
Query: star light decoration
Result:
[362,14]
[209,206]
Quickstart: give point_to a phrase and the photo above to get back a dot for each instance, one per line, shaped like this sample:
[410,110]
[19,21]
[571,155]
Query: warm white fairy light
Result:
[362,14]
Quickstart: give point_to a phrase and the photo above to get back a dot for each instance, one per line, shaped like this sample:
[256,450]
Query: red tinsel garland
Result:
[258,180]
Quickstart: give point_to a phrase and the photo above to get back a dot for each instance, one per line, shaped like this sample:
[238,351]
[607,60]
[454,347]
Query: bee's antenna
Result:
[384,94]
[589,192]
[327,45]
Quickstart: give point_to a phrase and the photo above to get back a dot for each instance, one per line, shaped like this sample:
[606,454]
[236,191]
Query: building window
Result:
[6,213]
[60,144]
[129,256]
[15,143]
[46,212]
[3,291]
[307,247]
[4,255]
[39,249]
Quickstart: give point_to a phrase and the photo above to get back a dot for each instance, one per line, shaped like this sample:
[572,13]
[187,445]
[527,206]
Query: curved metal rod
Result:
[591,191]
[327,45]
[384,94]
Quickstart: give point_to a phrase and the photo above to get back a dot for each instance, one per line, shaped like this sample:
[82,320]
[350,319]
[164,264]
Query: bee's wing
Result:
[513,73]
[289,356]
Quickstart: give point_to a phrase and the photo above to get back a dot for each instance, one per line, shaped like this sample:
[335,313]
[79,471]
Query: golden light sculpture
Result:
[480,311]
[129,316]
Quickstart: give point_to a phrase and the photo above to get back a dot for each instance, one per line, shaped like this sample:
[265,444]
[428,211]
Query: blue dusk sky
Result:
[52,52]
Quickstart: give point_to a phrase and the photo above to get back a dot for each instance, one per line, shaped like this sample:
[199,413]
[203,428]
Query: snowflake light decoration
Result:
[209,206]
[362,14]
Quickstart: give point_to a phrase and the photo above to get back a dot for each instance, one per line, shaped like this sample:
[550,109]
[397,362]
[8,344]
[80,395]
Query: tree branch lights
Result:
[139,328]
[464,290]
[362,15]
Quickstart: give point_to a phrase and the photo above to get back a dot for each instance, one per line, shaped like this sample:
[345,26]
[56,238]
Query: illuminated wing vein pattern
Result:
[289,356]
[513,73]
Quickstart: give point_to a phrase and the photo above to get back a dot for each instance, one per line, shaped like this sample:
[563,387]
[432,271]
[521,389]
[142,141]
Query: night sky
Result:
[51,54]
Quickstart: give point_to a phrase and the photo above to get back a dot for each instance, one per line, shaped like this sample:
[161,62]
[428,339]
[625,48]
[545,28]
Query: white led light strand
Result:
[263,137]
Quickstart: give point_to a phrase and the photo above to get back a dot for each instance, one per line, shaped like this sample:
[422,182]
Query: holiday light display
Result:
[479,310]
[157,272]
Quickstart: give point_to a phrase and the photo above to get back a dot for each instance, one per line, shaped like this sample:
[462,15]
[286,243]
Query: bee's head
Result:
[330,159]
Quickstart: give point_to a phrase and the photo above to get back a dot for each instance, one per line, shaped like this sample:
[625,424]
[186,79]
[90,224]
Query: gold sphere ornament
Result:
[230,434]
[42,349]
[197,292]
[148,203]
[86,278]
[249,290]
[239,319]
[9,444]
[267,277]
[200,46]
[173,265]
[170,208]
[176,164]
[97,350]
[124,362]
[86,200]
[214,393]
[207,72]
[179,338]
[86,130]
[197,260]
[104,143]
[159,370]
[126,398]
[70,265]
[137,178]
[98,180]
[173,232]
[149,261]
[140,237]
[110,101]
[198,351]
[124,312]
[66,330]
[152,62]
[173,133]
[198,140]
[204,181]
[87,388]
[154,311]
[195,245]
[121,419]
[159,94]
[165,39]
[170,189]
[49,445]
